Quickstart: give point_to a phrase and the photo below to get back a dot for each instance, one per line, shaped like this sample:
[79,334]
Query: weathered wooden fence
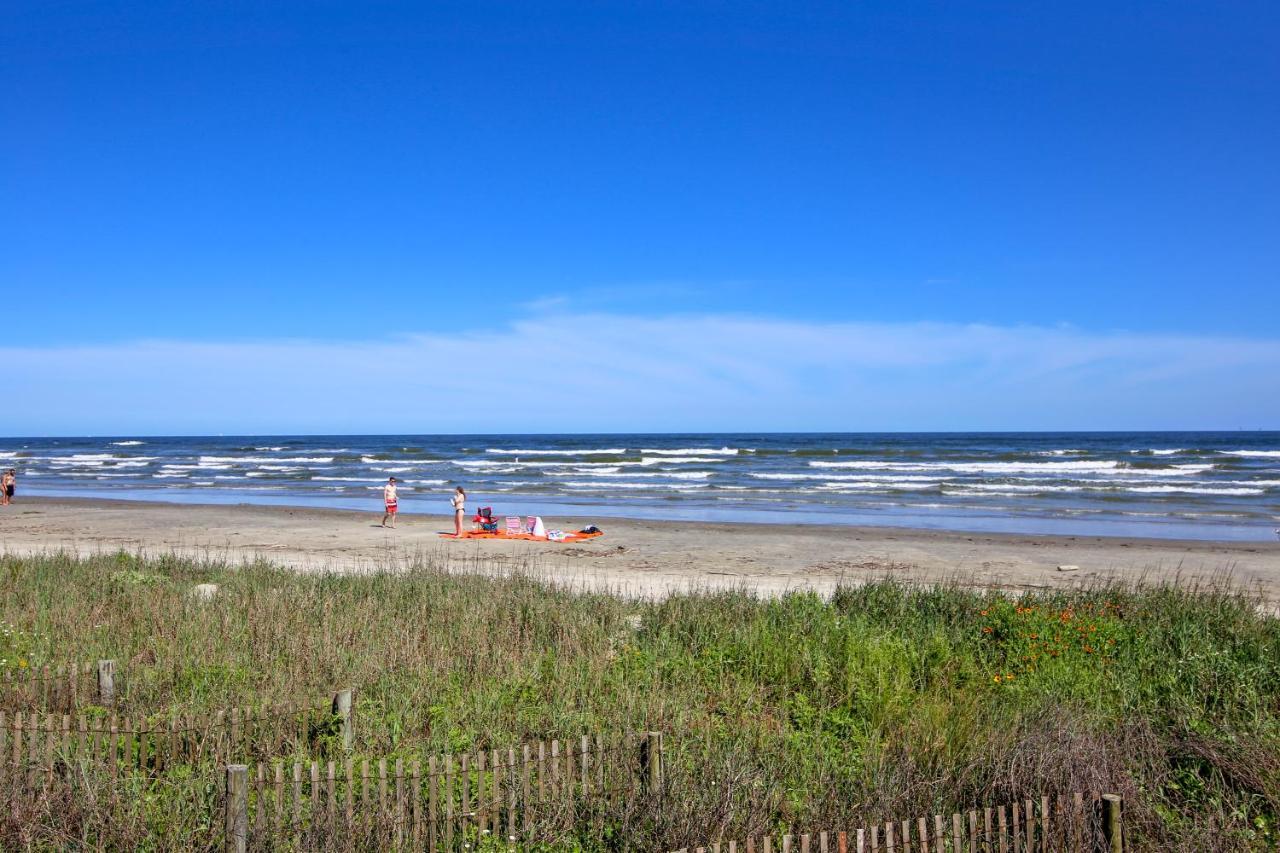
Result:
[516,795]
[1064,823]
[34,743]
[65,688]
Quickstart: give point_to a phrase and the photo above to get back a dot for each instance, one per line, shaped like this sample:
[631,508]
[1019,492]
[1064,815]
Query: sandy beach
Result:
[634,557]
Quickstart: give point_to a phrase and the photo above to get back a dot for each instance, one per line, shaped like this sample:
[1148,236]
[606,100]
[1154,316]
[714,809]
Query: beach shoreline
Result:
[635,557]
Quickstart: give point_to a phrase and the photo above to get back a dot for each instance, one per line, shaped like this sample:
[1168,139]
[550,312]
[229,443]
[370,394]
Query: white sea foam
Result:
[1082,467]
[692,451]
[666,475]
[1003,488]
[514,465]
[610,451]
[874,485]
[890,478]
[1166,451]
[260,459]
[132,463]
[973,467]
[214,466]
[1260,454]
[678,460]
[683,487]
[126,443]
[1059,452]
[1192,490]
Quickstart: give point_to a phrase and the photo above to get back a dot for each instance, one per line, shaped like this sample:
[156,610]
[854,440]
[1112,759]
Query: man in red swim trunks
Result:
[391,500]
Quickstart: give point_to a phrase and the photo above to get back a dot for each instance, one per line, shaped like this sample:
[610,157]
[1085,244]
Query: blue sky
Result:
[496,184]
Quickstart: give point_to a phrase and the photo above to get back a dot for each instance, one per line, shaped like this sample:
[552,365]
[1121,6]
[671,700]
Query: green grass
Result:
[885,701]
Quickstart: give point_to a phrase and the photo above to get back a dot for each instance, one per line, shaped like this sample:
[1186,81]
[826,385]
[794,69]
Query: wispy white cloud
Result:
[614,373]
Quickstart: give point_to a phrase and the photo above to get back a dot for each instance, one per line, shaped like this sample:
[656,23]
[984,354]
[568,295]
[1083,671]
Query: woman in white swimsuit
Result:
[459,501]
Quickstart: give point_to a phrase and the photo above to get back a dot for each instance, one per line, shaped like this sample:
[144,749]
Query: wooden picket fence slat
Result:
[65,687]
[446,801]
[1061,823]
[33,743]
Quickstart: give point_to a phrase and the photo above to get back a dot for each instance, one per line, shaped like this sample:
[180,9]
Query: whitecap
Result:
[639,486]
[260,459]
[972,467]
[1004,488]
[1192,490]
[609,451]
[890,478]
[1261,454]
[691,451]
[667,475]
[873,485]
[507,466]
[1097,467]
[126,443]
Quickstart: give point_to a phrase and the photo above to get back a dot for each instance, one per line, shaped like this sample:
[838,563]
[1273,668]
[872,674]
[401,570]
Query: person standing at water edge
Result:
[7,485]
[459,501]
[392,502]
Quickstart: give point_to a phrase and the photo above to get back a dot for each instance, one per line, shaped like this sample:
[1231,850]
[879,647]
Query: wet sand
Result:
[635,557]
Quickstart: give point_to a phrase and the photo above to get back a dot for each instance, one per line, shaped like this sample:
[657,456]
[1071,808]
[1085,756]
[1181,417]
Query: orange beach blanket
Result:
[528,537]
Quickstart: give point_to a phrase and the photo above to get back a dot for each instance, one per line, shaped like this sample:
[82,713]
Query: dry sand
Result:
[634,557]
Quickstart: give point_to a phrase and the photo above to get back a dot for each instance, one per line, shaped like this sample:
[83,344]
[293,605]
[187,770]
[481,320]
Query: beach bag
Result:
[535,526]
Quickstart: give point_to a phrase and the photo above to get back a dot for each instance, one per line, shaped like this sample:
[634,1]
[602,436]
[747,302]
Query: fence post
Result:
[342,710]
[107,683]
[237,809]
[1113,822]
[651,761]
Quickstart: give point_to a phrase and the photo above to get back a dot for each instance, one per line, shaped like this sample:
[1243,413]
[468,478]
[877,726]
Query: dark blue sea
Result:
[1206,485]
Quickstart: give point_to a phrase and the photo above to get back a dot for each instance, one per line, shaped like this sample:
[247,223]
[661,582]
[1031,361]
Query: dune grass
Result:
[884,701]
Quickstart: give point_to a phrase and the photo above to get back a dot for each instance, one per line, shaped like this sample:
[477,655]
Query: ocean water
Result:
[1194,485]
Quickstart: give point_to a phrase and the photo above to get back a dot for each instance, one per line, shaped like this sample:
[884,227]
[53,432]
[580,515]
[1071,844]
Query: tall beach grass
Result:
[885,700]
